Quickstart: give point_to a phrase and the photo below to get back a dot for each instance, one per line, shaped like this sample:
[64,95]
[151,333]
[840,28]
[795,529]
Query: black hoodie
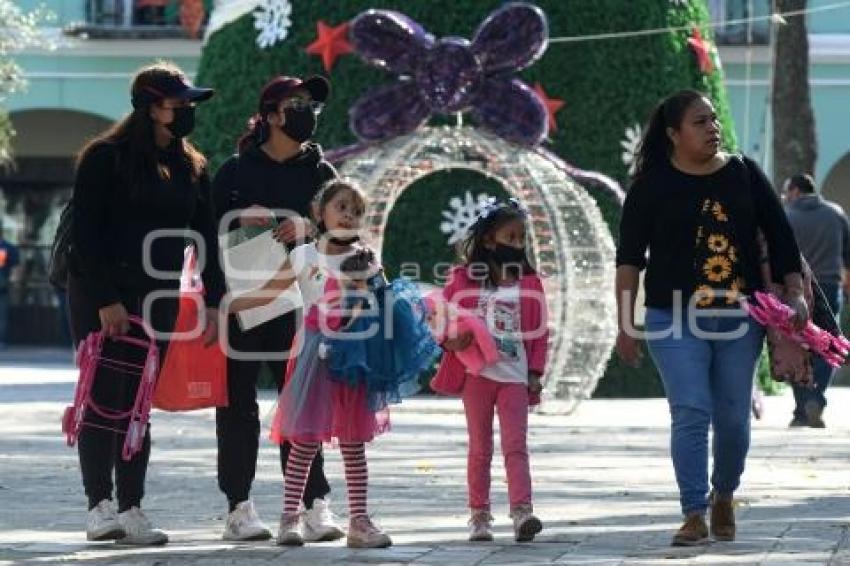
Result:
[254,178]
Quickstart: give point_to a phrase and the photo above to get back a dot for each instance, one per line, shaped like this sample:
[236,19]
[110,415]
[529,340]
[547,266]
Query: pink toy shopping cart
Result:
[91,358]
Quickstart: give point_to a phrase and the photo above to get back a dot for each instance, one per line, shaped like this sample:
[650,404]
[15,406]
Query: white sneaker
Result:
[139,530]
[244,524]
[320,524]
[362,533]
[102,522]
[290,533]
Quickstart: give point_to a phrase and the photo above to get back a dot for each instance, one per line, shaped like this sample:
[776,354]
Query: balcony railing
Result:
[132,19]
[748,33]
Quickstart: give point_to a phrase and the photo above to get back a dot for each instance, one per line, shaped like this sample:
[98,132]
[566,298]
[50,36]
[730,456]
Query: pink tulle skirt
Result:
[313,407]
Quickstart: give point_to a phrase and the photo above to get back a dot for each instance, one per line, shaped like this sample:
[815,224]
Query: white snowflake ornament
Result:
[272,19]
[461,214]
[630,144]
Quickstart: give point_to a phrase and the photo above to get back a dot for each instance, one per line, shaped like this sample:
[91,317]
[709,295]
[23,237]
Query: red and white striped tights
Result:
[298,467]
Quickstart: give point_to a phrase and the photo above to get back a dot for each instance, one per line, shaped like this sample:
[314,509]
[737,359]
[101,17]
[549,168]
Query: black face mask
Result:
[503,254]
[183,122]
[300,125]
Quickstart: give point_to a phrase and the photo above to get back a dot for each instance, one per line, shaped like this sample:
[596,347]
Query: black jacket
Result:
[254,178]
[111,223]
[661,213]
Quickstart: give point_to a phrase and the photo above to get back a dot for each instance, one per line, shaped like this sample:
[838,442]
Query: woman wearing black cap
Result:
[274,175]
[138,177]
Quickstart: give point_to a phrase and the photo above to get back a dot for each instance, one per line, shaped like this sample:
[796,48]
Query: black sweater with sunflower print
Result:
[700,231]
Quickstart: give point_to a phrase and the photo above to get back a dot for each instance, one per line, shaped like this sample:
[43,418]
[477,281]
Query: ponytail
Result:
[655,146]
[256,133]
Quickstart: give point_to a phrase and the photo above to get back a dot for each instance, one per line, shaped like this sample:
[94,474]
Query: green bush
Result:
[621,380]
[413,224]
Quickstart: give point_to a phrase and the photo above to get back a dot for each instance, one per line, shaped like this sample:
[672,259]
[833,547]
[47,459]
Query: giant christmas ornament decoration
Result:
[451,74]
[570,242]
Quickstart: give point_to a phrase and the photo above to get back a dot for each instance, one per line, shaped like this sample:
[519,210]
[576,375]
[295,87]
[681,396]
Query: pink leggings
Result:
[480,397]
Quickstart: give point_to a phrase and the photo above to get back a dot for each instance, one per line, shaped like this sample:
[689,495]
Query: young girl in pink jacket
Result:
[497,282]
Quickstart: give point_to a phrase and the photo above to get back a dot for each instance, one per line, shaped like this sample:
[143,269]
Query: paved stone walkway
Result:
[604,488]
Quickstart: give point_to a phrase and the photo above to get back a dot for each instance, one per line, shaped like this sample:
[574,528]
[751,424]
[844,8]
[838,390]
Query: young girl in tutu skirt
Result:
[345,324]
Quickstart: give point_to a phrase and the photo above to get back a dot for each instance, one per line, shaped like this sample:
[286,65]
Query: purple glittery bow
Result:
[451,74]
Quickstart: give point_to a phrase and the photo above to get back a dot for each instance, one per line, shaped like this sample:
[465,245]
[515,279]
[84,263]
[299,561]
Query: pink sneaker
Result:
[481,526]
[526,525]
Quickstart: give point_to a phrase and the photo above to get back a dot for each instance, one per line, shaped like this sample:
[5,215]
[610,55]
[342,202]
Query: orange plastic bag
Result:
[193,376]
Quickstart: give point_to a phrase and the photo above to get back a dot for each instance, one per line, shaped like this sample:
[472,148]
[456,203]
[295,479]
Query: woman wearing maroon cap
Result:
[138,177]
[274,175]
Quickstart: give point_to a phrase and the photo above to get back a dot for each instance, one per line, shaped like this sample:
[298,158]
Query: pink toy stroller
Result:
[90,358]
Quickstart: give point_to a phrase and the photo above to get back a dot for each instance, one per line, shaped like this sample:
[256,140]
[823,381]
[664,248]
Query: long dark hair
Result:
[258,129]
[472,252]
[135,134]
[655,146]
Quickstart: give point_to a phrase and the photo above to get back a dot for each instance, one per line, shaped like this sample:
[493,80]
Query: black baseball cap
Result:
[168,86]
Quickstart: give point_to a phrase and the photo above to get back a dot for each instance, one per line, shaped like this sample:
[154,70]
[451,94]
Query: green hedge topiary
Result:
[411,222]
[608,85]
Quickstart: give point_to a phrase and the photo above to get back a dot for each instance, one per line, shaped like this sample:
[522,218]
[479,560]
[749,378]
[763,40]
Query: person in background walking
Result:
[823,234]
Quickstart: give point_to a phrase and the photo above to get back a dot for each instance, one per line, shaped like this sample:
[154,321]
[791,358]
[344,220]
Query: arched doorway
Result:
[572,244]
[32,193]
[836,184]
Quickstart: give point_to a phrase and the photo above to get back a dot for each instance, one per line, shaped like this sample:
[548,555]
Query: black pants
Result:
[100,449]
[238,424]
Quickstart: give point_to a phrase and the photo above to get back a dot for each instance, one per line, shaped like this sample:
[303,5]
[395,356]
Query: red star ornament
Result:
[702,49]
[332,41]
[552,105]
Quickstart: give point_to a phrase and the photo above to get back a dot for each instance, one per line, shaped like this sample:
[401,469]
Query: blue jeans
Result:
[708,381]
[821,371]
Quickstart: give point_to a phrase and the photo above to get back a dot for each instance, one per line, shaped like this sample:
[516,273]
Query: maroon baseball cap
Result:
[281,87]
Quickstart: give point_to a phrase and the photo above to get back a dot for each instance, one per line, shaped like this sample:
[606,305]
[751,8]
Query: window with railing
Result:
[136,18]
[744,33]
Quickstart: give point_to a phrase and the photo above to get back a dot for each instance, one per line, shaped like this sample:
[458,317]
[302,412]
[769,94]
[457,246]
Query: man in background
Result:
[823,234]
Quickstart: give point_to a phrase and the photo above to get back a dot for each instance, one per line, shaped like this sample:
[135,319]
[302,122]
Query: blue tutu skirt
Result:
[386,351]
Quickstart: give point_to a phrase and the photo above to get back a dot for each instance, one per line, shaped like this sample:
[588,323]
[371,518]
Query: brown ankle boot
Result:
[722,517]
[693,532]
